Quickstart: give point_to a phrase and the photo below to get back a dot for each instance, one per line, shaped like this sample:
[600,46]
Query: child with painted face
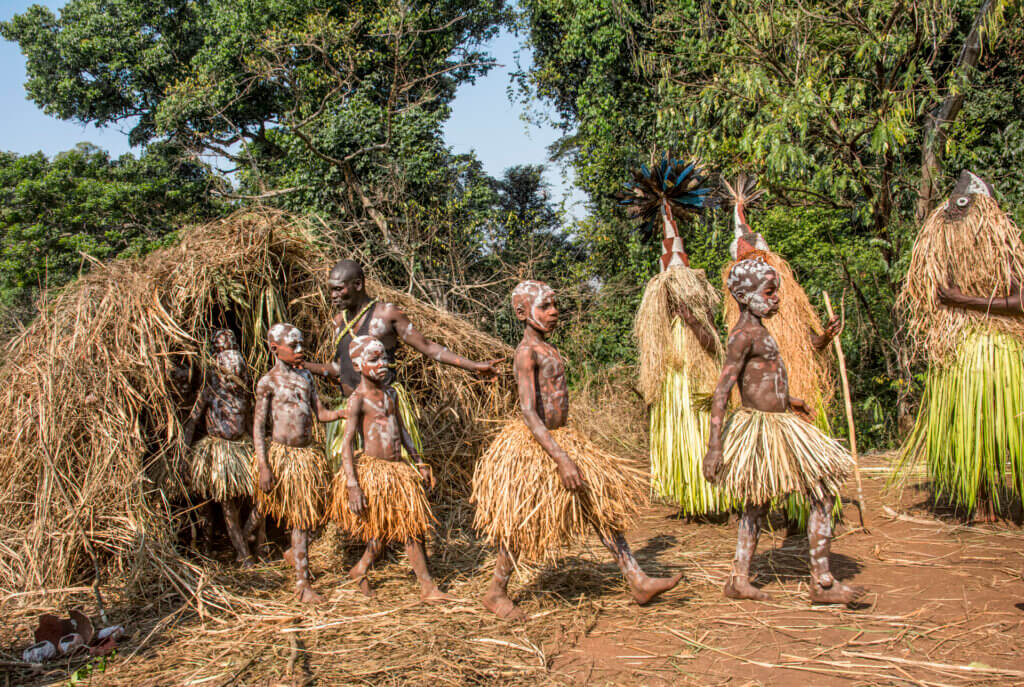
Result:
[541,484]
[293,472]
[221,461]
[378,496]
[765,451]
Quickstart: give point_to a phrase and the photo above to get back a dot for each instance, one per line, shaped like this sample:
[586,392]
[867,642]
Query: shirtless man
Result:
[816,464]
[221,460]
[297,492]
[544,402]
[377,516]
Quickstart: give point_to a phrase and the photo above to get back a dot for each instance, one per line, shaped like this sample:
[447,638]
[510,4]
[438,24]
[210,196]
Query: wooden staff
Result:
[849,413]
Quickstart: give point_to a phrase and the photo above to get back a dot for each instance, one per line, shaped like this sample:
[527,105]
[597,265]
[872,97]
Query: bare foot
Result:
[740,588]
[308,596]
[435,595]
[504,608]
[651,587]
[288,557]
[364,583]
[838,593]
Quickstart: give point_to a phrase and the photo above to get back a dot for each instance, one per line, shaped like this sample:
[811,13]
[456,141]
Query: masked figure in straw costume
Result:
[222,460]
[679,347]
[359,315]
[378,495]
[292,471]
[803,342]
[765,451]
[540,484]
[962,301]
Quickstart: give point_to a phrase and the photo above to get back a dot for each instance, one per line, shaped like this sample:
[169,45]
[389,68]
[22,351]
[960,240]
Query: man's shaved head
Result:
[345,270]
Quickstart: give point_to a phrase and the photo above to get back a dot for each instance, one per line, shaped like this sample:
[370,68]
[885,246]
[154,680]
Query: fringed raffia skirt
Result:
[522,505]
[301,477]
[396,504]
[221,468]
[770,455]
[335,431]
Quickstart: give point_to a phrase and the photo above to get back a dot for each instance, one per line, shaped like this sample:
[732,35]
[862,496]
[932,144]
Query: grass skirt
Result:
[522,505]
[770,455]
[396,503]
[221,468]
[301,477]
[407,408]
[970,427]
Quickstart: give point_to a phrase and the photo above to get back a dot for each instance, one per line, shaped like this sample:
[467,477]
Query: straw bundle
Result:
[770,455]
[397,509]
[220,467]
[982,253]
[522,505]
[88,412]
[301,478]
[811,376]
[661,349]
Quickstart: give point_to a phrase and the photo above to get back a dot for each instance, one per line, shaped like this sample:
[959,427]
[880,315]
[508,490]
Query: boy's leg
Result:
[235,532]
[738,585]
[824,587]
[417,555]
[644,588]
[298,556]
[358,571]
[496,599]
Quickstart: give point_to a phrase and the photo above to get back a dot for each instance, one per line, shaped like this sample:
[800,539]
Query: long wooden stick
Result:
[849,413]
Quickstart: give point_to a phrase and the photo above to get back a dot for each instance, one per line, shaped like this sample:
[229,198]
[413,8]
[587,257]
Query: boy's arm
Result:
[410,335]
[356,500]
[264,390]
[735,357]
[525,364]
[188,432]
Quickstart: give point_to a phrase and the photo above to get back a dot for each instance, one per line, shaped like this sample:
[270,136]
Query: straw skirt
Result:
[522,505]
[770,455]
[301,477]
[221,467]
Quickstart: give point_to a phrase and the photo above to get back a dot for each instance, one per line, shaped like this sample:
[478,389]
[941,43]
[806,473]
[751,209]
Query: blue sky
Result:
[483,118]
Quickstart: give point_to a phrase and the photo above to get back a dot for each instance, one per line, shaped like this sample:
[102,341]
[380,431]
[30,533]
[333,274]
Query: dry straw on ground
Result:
[396,504]
[652,327]
[811,372]
[88,410]
[981,253]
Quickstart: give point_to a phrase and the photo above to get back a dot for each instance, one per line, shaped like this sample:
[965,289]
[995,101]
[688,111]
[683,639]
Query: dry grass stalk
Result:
[221,468]
[811,374]
[87,407]
[301,478]
[396,504]
[522,505]
[770,455]
[983,255]
[652,327]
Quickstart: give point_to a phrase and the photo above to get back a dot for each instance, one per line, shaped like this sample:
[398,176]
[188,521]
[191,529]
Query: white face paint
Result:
[530,295]
[369,357]
[231,362]
[746,280]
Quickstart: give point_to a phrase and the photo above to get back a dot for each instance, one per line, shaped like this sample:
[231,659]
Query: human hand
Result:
[266,479]
[712,464]
[949,294]
[834,327]
[427,475]
[797,405]
[488,370]
[569,473]
[356,500]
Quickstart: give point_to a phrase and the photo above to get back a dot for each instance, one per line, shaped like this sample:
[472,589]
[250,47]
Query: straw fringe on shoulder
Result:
[301,478]
[770,455]
[396,503]
[522,505]
[221,468]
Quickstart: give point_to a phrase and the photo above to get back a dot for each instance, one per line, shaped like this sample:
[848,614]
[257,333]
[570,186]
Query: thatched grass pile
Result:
[88,410]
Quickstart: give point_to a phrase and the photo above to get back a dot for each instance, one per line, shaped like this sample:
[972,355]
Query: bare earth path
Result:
[946,608]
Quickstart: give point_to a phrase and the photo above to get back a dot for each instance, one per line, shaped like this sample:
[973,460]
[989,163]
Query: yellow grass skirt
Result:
[770,455]
[301,477]
[221,468]
[522,505]
[396,503]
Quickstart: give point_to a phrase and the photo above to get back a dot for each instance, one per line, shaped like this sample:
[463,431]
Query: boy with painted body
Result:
[765,451]
[293,471]
[221,461]
[510,505]
[378,496]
